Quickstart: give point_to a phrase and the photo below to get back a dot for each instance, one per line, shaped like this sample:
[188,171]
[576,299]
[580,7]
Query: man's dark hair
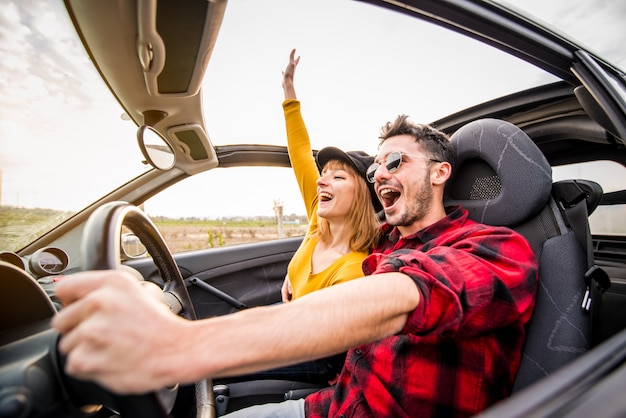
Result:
[435,143]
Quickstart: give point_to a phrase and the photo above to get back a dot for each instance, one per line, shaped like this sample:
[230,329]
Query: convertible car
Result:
[148,135]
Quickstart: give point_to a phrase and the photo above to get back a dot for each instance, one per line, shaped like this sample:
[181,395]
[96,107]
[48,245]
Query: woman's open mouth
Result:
[325,196]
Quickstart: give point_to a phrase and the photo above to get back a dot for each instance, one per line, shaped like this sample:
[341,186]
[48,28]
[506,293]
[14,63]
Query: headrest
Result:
[499,175]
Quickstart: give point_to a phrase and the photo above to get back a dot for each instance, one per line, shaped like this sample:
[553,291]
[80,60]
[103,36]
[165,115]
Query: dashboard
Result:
[45,266]
[44,262]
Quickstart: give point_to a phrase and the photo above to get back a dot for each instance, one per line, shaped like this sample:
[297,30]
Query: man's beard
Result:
[416,209]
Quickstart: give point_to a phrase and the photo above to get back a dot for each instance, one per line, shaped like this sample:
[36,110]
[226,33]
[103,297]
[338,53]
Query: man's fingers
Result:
[76,286]
[73,292]
[67,320]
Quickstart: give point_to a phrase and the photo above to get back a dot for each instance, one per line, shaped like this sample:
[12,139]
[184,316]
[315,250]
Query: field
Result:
[18,226]
[189,235]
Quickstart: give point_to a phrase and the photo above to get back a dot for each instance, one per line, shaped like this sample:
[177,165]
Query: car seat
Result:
[502,178]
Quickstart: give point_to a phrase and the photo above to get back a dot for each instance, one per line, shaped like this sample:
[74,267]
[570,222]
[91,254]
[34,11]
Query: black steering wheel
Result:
[100,251]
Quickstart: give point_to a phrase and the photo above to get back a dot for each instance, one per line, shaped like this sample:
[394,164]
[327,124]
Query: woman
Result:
[341,206]
[341,209]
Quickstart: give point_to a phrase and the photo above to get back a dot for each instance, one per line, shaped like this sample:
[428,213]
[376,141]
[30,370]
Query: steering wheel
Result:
[100,249]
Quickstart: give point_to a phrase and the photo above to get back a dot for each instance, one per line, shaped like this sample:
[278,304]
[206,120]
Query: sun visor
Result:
[175,41]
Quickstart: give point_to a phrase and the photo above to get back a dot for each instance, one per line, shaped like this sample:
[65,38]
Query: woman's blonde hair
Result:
[362,222]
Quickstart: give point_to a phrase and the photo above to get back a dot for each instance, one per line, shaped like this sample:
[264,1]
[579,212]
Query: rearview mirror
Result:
[155,148]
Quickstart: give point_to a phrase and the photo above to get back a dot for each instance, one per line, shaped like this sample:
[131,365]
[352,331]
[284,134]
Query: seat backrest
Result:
[502,178]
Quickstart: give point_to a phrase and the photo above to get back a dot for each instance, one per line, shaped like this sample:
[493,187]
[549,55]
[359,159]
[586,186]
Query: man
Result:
[436,329]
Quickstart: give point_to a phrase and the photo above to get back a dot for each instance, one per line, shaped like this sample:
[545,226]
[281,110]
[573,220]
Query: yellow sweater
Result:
[345,268]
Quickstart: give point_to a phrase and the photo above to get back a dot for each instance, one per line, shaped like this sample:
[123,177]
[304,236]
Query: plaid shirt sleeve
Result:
[469,284]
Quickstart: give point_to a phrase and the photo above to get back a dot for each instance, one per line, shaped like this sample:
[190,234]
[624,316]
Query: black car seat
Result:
[502,178]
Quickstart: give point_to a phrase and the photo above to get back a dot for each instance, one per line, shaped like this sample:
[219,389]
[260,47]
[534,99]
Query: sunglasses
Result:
[392,163]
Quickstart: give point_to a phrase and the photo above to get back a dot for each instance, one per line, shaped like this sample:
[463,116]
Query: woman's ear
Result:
[440,173]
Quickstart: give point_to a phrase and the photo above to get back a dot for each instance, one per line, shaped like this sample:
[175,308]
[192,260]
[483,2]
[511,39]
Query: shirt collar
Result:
[455,214]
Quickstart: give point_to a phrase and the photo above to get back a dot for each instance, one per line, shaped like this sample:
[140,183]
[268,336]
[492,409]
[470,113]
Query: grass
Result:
[19,226]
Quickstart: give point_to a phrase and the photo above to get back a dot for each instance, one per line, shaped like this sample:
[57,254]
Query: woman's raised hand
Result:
[288,74]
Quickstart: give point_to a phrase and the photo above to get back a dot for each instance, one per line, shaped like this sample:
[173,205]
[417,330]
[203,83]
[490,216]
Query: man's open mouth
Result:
[388,196]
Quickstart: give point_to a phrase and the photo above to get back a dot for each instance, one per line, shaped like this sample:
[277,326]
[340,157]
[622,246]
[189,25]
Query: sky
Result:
[61,132]
[365,63]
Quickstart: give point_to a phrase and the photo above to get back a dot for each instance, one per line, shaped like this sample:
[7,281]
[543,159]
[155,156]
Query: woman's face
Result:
[336,189]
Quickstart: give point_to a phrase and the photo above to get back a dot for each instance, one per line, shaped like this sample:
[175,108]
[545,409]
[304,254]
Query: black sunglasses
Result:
[392,163]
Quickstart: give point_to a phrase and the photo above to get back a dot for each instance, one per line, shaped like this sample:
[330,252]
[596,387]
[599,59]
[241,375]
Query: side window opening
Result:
[606,219]
[224,207]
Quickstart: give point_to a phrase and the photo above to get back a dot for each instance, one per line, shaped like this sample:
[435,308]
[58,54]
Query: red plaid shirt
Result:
[460,349]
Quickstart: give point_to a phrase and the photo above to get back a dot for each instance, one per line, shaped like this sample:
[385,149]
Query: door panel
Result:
[252,274]
[610,254]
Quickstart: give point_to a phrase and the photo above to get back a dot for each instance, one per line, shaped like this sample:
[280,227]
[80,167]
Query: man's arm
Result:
[116,334]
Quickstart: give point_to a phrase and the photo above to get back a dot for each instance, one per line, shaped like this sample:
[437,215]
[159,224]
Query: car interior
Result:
[505,152]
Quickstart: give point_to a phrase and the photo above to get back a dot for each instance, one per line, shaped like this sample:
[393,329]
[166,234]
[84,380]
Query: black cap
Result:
[359,160]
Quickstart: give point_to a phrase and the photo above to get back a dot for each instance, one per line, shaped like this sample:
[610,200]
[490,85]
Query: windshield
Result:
[65,141]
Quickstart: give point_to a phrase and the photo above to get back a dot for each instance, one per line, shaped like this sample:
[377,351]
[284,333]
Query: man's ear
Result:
[440,173]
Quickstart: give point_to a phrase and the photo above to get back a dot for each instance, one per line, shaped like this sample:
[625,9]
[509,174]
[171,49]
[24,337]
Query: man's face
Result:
[406,193]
